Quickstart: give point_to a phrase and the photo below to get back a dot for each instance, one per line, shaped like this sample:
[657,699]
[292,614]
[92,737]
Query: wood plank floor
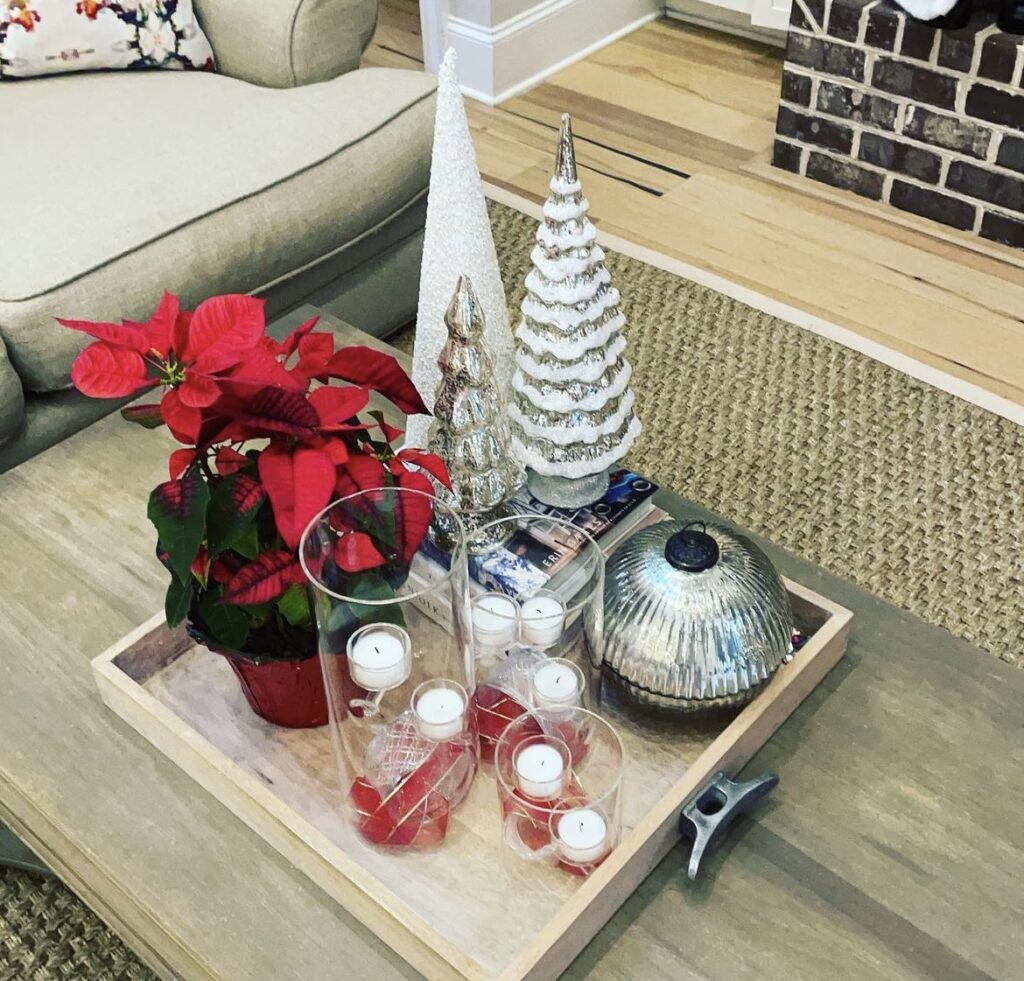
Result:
[673,132]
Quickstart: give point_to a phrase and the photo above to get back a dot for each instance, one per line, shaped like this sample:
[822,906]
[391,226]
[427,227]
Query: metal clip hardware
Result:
[707,817]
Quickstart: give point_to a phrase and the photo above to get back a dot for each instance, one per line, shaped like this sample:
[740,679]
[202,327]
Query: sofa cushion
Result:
[50,37]
[287,42]
[191,182]
[12,399]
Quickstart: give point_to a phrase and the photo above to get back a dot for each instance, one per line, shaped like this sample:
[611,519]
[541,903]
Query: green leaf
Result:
[378,521]
[248,542]
[259,611]
[294,606]
[178,510]
[177,603]
[366,586]
[147,416]
[234,504]
[227,624]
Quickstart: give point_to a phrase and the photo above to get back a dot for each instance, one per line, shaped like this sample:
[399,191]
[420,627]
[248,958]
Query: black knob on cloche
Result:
[691,549]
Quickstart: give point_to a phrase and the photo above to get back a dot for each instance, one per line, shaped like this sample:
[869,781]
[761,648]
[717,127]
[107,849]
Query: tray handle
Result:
[707,817]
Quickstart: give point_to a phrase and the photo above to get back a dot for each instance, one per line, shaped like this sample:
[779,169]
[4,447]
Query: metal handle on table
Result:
[706,818]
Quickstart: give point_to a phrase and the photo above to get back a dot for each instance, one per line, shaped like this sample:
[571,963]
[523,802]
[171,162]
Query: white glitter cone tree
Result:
[470,431]
[572,409]
[457,241]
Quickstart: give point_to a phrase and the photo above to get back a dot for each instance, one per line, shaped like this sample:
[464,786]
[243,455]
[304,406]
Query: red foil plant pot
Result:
[561,806]
[287,693]
[406,731]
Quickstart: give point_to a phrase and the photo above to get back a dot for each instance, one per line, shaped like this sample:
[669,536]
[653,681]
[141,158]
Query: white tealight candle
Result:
[495,622]
[440,710]
[556,684]
[379,656]
[540,771]
[542,619]
[582,836]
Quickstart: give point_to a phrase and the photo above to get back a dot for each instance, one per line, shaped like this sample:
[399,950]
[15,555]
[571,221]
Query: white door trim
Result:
[434,15]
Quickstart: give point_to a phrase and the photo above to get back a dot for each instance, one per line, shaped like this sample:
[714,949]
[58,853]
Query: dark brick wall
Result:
[928,121]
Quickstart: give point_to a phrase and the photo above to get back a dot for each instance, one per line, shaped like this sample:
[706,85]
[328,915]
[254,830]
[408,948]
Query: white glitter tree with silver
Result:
[470,431]
[572,407]
[457,240]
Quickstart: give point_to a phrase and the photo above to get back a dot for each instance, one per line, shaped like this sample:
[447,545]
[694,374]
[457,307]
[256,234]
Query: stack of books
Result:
[539,554]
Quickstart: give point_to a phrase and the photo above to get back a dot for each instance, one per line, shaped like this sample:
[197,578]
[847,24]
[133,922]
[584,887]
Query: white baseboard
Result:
[730,16]
[496,63]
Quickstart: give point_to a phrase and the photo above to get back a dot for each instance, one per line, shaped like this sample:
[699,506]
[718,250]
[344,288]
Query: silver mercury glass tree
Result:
[470,431]
[572,409]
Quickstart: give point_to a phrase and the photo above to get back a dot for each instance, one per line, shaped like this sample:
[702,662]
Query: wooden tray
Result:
[455,911]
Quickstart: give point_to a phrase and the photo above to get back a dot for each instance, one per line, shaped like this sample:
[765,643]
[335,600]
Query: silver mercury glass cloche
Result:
[696,617]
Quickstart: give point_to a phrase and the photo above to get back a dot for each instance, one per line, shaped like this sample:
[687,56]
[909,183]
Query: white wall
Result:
[490,12]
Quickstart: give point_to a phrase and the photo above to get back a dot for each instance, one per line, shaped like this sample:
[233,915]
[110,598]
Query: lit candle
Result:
[557,683]
[379,656]
[582,835]
[440,709]
[542,618]
[495,622]
[540,771]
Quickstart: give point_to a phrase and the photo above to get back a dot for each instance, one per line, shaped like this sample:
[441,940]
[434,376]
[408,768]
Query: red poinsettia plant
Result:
[271,433]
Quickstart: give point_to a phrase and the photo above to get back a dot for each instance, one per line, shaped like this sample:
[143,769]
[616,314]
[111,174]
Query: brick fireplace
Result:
[928,121]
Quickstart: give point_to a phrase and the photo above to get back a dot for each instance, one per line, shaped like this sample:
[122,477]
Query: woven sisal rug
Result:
[914,494]
[48,934]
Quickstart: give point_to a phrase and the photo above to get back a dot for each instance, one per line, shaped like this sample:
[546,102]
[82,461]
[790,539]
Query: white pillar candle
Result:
[557,683]
[582,835]
[540,771]
[495,622]
[542,619]
[379,656]
[440,709]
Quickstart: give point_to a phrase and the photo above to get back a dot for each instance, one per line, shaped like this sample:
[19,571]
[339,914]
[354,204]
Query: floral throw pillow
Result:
[47,37]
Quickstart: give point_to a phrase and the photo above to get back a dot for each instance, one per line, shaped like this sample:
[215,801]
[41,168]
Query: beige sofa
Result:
[288,174]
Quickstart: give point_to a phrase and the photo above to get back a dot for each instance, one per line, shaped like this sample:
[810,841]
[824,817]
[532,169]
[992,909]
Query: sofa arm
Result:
[282,43]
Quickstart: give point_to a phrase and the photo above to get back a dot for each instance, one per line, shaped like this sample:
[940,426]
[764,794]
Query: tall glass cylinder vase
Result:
[539,622]
[399,678]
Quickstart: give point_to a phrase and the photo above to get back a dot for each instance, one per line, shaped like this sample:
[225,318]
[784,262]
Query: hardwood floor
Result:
[673,132]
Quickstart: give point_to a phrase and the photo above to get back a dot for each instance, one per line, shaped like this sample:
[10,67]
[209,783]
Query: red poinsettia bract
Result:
[271,433]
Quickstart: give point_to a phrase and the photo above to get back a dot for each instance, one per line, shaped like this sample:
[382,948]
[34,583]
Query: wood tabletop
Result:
[892,849]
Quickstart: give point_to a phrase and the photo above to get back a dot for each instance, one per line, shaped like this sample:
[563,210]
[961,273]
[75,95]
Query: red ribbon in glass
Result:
[495,709]
[575,737]
[533,817]
[415,811]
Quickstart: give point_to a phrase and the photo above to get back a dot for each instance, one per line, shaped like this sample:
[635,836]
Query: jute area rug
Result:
[48,934]
[914,494]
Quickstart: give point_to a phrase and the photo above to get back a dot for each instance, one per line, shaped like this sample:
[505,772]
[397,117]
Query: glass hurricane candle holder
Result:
[544,578]
[559,773]
[402,721]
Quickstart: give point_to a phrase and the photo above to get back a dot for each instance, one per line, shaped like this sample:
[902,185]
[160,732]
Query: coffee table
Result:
[893,847]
